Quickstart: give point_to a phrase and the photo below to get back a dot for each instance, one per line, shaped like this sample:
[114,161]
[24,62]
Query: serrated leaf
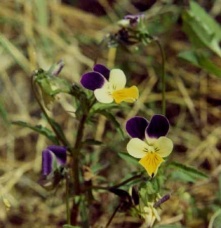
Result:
[201,28]
[39,129]
[128,158]
[191,173]
[200,60]
[113,120]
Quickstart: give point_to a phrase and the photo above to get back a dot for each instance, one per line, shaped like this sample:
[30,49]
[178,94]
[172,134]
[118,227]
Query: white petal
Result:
[137,148]
[117,79]
[163,146]
[103,96]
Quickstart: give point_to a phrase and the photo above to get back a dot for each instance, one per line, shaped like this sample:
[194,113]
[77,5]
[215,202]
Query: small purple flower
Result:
[148,141]
[53,157]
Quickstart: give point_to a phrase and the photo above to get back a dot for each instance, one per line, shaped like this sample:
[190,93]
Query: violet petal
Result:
[158,126]
[47,159]
[92,80]
[59,152]
[102,70]
[136,127]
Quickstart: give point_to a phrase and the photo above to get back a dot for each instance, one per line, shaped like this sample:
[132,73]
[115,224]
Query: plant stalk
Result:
[163,77]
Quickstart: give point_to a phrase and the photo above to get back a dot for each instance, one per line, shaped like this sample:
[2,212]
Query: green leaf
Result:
[186,173]
[3,113]
[39,129]
[100,106]
[217,219]
[200,60]
[201,28]
[112,118]
[128,158]
[59,130]
[70,226]
[219,189]
[92,142]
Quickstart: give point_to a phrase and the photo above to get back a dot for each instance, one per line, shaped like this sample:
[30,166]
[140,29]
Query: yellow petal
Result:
[163,146]
[151,163]
[127,94]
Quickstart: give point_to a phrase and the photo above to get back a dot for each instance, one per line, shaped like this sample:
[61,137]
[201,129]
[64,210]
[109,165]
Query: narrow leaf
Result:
[200,60]
[191,172]
[201,28]
[128,158]
[3,113]
[112,118]
[39,129]
[92,142]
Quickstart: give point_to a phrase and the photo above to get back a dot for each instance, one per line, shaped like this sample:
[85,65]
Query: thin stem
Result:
[163,78]
[117,185]
[111,56]
[76,152]
[112,216]
[75,161]
[36,94]
[127,180]
[67,201]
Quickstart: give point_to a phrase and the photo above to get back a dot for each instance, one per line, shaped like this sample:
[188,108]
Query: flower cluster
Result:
[109,85]
[148,141]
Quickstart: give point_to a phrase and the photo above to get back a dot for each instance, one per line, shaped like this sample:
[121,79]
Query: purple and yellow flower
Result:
[53,157]
[149,142]
[109,85]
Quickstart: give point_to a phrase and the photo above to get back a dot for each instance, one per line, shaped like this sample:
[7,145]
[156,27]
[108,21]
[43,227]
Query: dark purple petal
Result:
[60,153]
[158,126]
[92,80]
[136,127]
[102,70]
[133,19]
[47,159]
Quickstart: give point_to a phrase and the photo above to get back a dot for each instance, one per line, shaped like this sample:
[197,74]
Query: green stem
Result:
[127,180]
[163,78]
[117,185]
[67,201]
[112,216]
[57,133]
[76,152]
[75,161]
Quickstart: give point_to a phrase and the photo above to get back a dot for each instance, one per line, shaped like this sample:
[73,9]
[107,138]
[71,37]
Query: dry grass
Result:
[38,33]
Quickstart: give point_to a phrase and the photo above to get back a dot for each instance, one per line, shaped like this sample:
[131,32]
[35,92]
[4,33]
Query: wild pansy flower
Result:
[130,20]
[109,85]
[53,157]
[148,141]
